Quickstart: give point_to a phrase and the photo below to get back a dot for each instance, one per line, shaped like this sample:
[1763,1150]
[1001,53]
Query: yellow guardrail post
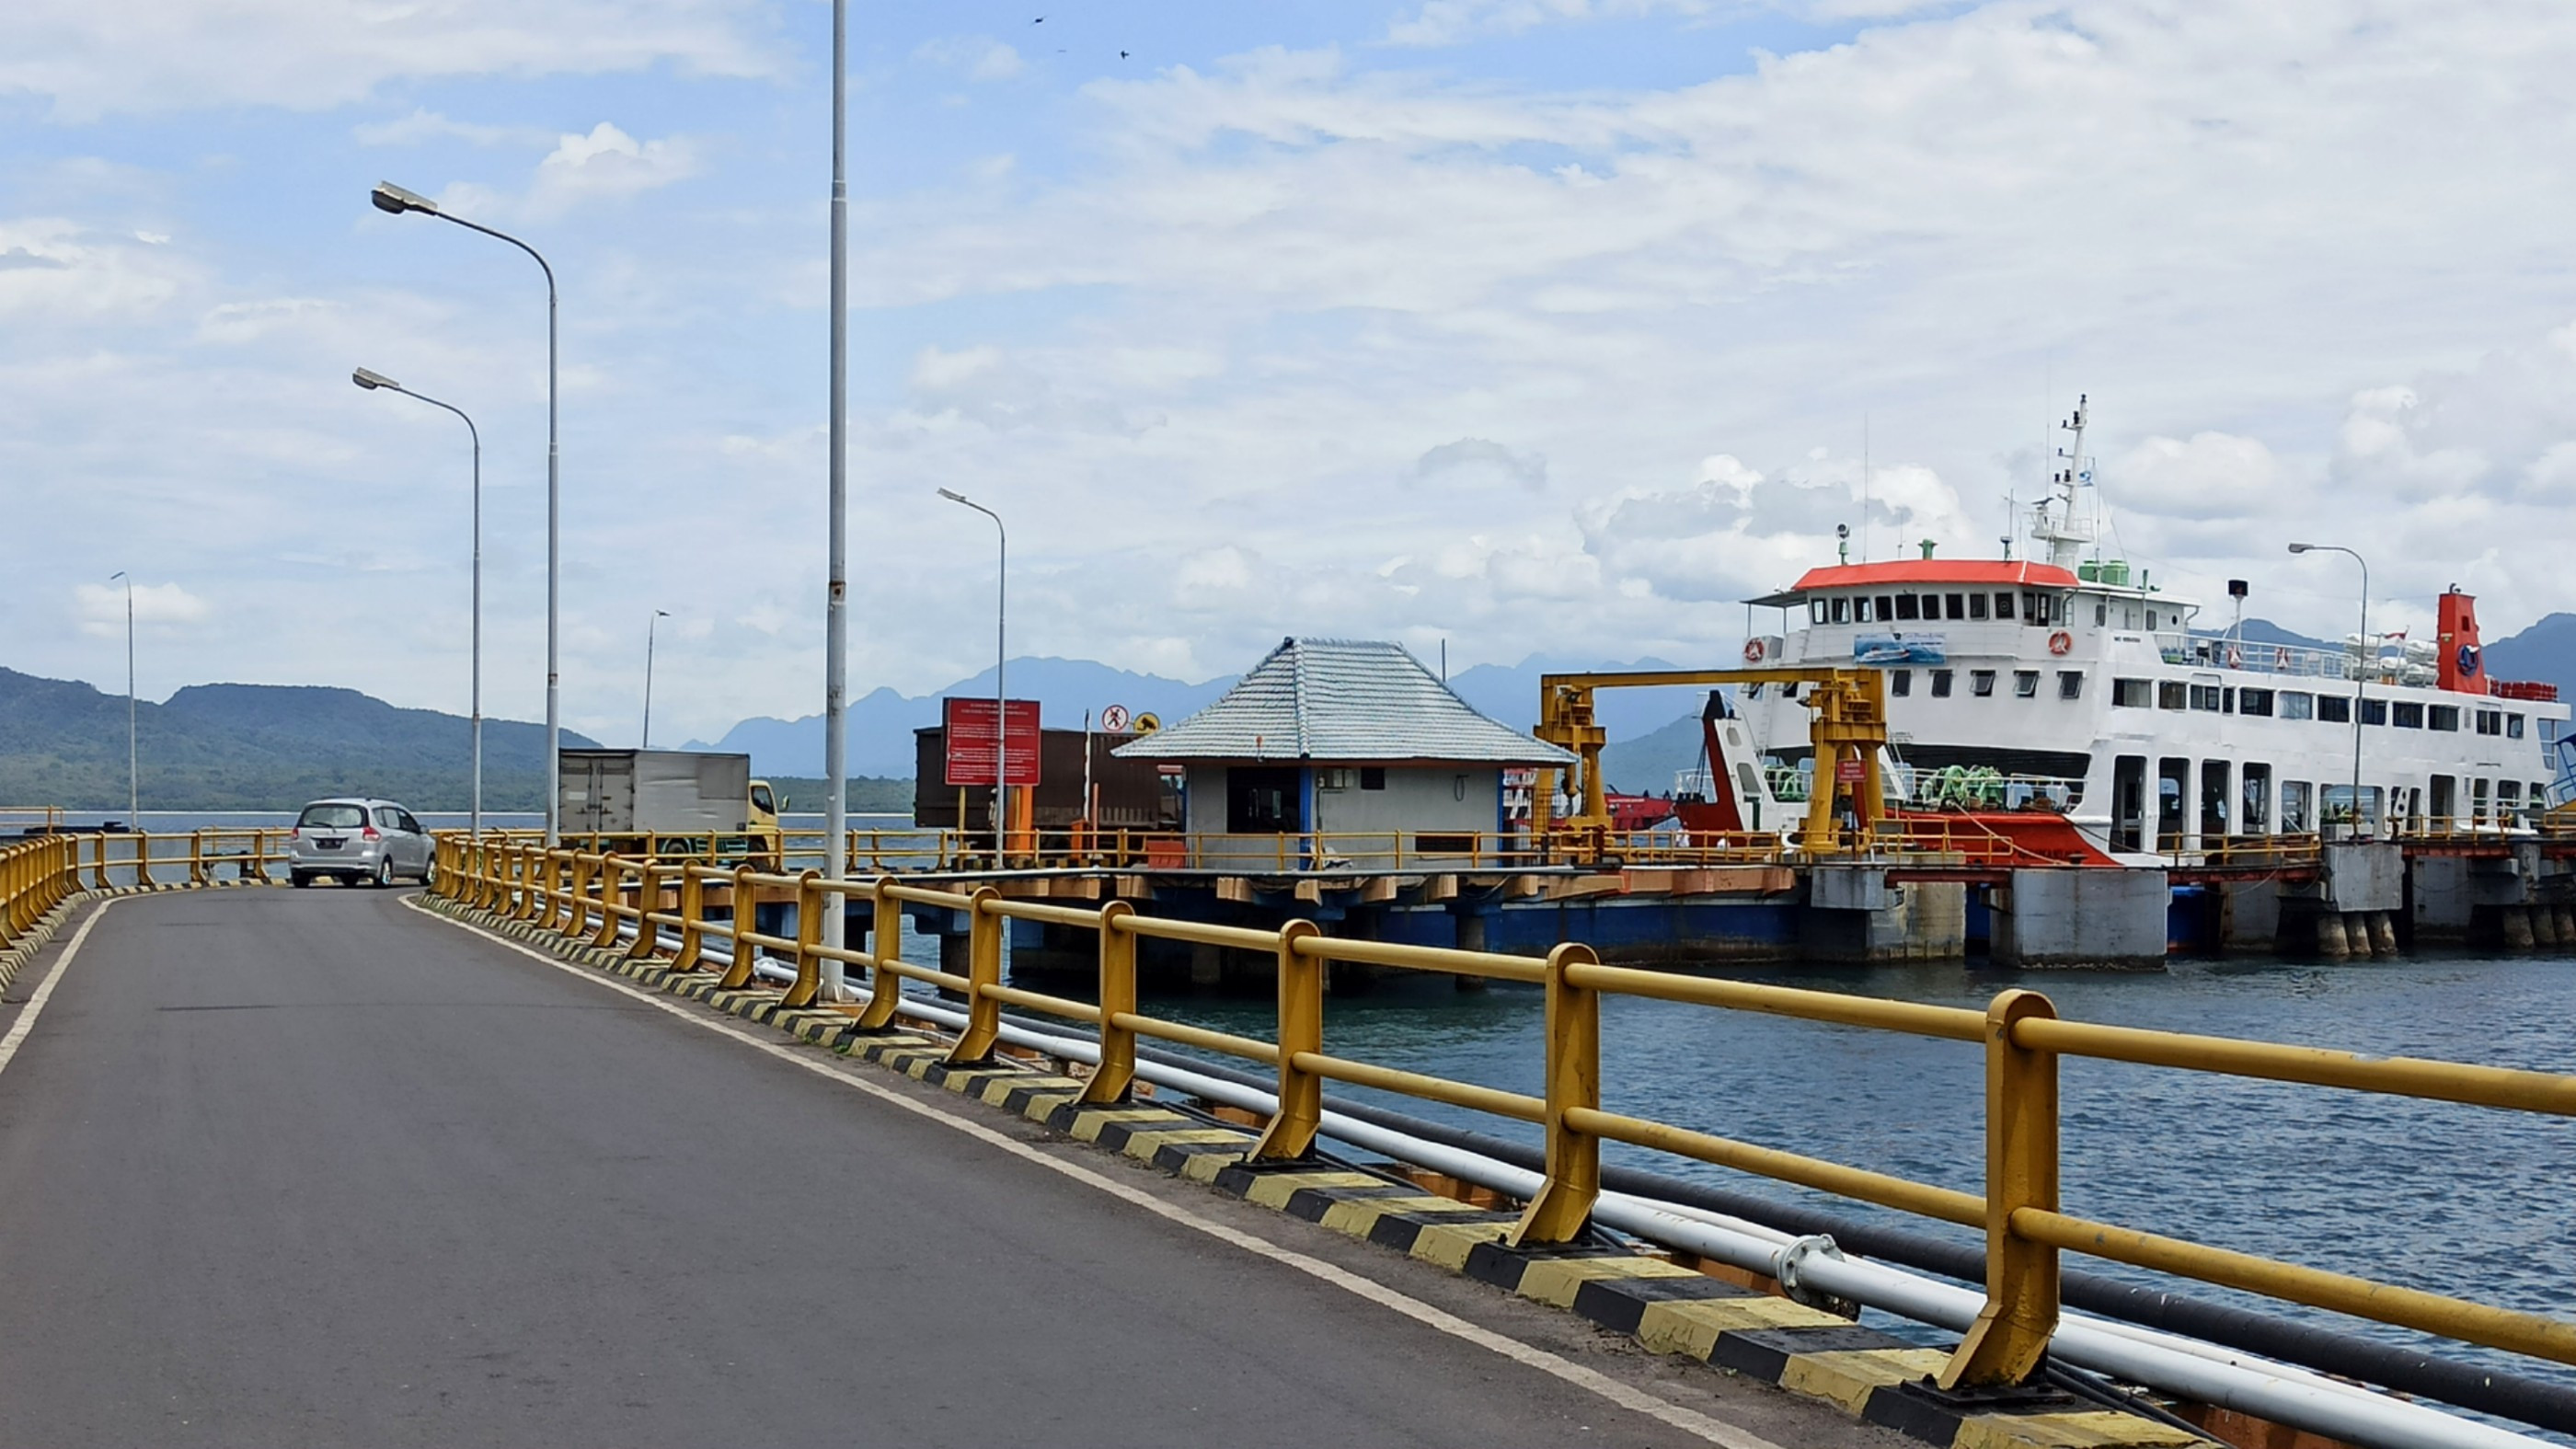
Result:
[612,881]
[98,861]
[648,899]
[196,857]
[744,913]
[693,911]
[574,908]
[2010,1337]
[1564,1202]
[885,943]
[142,857]
[983,969]
[809,934]
[1291,1133]
[1117,997]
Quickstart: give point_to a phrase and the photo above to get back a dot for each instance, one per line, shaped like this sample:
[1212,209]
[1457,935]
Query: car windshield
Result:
[332,817]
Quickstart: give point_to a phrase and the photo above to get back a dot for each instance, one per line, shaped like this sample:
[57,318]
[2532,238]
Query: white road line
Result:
[44,992]
[1699,1425]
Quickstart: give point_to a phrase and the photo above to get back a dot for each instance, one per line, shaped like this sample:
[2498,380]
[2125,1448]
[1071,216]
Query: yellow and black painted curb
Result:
[1664,1306]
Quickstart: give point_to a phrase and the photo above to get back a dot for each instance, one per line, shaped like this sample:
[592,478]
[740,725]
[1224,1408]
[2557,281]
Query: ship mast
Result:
[2054,519]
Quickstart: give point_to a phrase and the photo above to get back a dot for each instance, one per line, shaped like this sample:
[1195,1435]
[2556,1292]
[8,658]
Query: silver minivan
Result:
[358,839]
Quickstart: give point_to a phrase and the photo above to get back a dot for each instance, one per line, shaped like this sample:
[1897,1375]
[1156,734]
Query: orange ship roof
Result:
[1936,571]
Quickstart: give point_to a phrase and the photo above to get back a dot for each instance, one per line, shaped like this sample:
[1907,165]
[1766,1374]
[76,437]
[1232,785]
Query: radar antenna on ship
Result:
[2055,520]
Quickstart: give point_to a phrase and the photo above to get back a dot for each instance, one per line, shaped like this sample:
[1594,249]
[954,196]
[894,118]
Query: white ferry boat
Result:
[2083,714]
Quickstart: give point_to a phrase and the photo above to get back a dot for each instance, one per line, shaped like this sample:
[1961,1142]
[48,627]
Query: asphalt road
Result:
[313,1168]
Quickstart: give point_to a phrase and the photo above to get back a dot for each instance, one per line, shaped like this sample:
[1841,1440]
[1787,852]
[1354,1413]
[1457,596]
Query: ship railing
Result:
[2202,651]
[2287,849]
[672,911]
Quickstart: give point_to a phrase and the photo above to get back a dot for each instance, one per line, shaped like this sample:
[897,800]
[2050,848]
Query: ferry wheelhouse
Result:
[2084,714]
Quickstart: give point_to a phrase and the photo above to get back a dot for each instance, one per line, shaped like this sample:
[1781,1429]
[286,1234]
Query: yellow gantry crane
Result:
[1848,728]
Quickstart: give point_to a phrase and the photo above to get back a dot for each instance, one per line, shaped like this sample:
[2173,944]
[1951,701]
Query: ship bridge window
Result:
[2131,694]
[1976,606]
[2257,702]
[1941,683]
[1887,609]
[2374,711]
[2070,684]
[2443,717]
[2490,721]
[2025,684]
[1841,609]
[2298,704]
[2334,709]
[1956,605]
[2003,605]
[2513,726]
[2407,714]
[1816,612]
[1862,613]
[2169,694]
[1981,683]
[1906,607]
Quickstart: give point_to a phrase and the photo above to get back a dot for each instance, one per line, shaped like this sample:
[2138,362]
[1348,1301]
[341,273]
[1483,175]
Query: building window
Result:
[2298,704]
[2256,702]
[2443,717]
[1372,777]
[1906,608]
[1976,606]
[2131,694]
[1957,605]
[2170,694]
[2513,726]
[2334,709]
[2490,721]
[2070,684]
[1941,683]
[1981,682]
[2205,697]
[2407,714]
[2025,684]
[1900,682]
[2374,712]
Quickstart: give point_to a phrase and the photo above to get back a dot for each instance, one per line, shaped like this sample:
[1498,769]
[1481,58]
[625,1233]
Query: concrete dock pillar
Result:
[2565,916]
[1207,966]
[2544,926]
[2517,928]
[2383,934]
[2333,942]
[2081,916]
[956,958]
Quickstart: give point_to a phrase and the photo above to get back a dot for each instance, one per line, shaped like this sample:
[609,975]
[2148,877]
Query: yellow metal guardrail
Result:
[587,896]
[39,872]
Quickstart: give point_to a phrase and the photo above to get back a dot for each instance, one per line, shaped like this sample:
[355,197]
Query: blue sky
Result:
[1531,325]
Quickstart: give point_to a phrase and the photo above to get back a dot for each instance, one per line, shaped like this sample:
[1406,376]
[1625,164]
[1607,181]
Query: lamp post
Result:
[378,382]
[1001,657]
[658,616]
[394,199]
[2361,667]
[836,626]
[133,776]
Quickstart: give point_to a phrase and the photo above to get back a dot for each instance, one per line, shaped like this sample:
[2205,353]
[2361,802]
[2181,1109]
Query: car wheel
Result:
[385,873]
[300,879]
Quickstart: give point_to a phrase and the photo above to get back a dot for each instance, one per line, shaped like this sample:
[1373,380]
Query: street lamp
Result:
[1001,657]
[658,616]
[394,199]
[836,588]
[133,777]
[375,382]
[2361,666]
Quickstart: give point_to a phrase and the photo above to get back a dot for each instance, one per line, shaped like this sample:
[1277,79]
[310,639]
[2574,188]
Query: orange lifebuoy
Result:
[1752,651]
[2060,642]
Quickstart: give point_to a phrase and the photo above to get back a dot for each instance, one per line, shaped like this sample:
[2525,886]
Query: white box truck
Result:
[667,802]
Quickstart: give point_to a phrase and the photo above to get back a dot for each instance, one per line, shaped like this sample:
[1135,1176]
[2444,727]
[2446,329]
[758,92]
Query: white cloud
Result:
[2211,475]
[53,267]
[144,56]
[1474,462]
[977,57]
[607,165]
[101,607]
[427,125]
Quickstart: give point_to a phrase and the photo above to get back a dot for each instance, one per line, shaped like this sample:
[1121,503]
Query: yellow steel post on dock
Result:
[142,857]
[983,970]
[693,907]
[809,935]
[885,944]
[1291,1134]
[2011,1334]
[566,906]
[648,899]
[612,886]
[744,914]
[1117,996]
[1564,1202]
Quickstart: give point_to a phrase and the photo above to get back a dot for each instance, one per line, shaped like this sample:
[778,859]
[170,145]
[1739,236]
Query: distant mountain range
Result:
[258,747]
[254,747]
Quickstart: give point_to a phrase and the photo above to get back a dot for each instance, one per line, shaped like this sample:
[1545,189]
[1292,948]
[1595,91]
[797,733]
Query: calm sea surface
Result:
[2456,1199]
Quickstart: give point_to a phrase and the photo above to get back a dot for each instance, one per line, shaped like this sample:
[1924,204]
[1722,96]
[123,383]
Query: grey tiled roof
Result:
[1346,700]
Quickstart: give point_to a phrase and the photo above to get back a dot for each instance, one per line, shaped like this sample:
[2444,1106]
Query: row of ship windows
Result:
[2029,606]
[2404,714]
[2250,804]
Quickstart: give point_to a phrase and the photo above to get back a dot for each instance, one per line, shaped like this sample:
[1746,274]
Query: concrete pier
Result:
[2082,917]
